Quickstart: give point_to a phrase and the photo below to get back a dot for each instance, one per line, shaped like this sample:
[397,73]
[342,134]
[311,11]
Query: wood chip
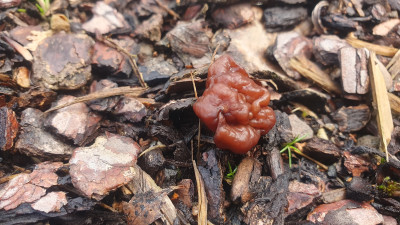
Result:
[394,65]
[311,71]
[394,103]
[379,49]
[381,103]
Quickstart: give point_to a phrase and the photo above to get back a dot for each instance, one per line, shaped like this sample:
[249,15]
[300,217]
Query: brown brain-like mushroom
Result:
[234,107]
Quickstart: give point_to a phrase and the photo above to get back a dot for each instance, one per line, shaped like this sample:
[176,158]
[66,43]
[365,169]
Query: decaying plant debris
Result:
[97,123]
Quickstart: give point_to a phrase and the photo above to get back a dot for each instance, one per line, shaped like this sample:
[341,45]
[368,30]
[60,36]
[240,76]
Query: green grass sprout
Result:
[290,146]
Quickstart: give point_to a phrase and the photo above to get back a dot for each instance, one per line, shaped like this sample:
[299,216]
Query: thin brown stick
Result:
[170,11]
[109,42]
[214,53]
[137,91]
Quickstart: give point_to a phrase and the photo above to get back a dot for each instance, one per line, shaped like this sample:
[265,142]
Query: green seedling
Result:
[229,177]
[43,6]
[290,146]
[390,187]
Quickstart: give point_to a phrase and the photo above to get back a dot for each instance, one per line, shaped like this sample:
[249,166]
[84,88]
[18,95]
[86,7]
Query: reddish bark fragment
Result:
[301,195]
[234,16]
[8,128]
[74,122]
[356,164]
[52,202]
[345,212]
[186,192]
[130,109]
[29,187]
[103,166]
[109,61]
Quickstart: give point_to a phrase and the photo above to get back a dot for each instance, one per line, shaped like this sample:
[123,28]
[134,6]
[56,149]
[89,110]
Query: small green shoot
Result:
[231,174]
[21,10]
[290,146]
[43,6]
[390,187]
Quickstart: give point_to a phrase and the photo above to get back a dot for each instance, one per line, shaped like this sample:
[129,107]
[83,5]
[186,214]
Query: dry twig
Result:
[137,91]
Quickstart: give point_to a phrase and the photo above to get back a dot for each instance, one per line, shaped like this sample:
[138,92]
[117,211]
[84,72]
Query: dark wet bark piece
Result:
[168,109]
[103,166]
[35,141]
[288,45]
[157,70]
[189,40]
[247,170]
[322,150]
[27,188]
[142,183]
[282,18]
[36,98]
[74,122]
[234,16]
[353,65]
[8,128]
[359,189]
[212,175]
[105,104]
[345,212]
[150,29]
[275,163]
[166,177]
[352,118]
[269,205]
[339,22]
[152,161]
[143,208]
[326,49]
[62,61]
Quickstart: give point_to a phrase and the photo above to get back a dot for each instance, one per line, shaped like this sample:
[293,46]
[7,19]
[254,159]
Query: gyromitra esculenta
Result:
[234,107]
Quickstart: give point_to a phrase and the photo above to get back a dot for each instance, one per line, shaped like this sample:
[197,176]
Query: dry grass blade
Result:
[101,94]
[394,65]
[381,102]
[160,146]
[394,103]
[311,71]
[202,216]
[378,49]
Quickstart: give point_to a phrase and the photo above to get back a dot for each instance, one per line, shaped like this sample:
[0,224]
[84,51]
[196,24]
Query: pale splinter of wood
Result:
[381,104]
